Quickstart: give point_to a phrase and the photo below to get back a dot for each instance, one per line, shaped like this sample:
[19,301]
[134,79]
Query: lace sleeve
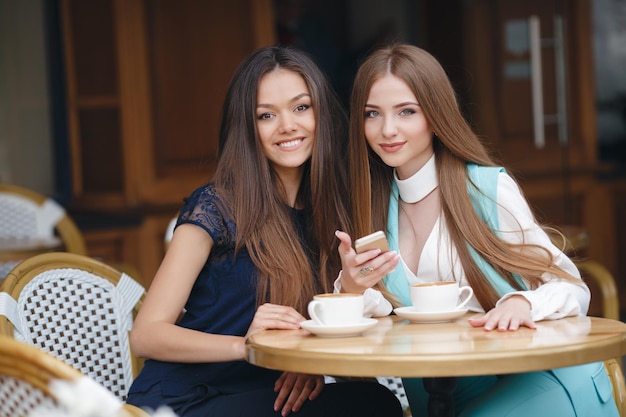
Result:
[203,209]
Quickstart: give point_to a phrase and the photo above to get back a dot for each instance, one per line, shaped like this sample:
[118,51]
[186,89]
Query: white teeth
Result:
[290,144]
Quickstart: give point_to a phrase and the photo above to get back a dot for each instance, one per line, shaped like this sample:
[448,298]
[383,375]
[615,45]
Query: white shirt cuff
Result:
[376,305]
[552,301]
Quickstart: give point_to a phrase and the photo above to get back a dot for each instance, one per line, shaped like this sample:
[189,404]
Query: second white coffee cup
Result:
[439,296]
[334,309]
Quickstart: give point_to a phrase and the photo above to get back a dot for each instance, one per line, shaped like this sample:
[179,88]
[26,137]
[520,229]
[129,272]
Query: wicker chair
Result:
[396,386]
[26,214]
[574,239]
[604,281]
[169,232]
[25,375]
[77,309]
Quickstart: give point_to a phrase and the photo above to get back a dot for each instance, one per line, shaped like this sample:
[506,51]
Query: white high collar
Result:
[420,184]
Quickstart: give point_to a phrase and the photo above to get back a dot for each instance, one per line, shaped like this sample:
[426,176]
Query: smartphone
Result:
[372,241]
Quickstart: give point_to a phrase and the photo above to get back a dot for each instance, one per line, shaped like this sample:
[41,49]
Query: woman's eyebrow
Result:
[300,96]
[296,98]
[405,103]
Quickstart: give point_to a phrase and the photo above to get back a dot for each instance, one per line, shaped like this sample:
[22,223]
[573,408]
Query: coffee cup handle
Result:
[469,292]
[313,305]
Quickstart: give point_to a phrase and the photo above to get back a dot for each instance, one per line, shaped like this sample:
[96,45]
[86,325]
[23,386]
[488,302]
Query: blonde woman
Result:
[452,214]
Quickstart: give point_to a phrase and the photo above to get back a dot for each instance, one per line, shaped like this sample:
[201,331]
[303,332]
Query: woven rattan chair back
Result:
[77,309]
[25,372]
[169,232]
[26,214]
[25,375]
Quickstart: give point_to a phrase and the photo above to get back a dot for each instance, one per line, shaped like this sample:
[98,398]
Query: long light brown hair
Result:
[455,145]
[255,198]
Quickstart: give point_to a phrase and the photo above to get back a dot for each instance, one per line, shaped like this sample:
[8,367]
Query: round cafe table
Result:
[438,351]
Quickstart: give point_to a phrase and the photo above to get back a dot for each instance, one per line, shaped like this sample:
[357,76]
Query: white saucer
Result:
[339,331]
[426,317]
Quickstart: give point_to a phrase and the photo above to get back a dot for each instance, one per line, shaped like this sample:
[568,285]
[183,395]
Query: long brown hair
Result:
[255,197]
[455,145]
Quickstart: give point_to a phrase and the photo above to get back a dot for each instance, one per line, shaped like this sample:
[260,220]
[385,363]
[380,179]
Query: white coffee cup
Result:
[431,297]
[336,309]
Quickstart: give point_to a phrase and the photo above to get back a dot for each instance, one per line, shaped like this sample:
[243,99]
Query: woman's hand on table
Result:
[510,314]
[352,280]
[270,316]
[274,316]
[294,389]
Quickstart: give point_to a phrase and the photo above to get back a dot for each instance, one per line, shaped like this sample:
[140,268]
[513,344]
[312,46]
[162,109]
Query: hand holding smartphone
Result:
[372,241]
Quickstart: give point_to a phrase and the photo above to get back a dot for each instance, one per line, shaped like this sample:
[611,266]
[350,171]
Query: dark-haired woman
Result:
[250,250]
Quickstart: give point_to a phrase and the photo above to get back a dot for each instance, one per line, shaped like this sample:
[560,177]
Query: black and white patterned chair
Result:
[26,375]
[27,217]
[393,383]
[77,309]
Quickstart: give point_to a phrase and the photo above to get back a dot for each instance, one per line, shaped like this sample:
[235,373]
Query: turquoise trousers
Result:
[537,394]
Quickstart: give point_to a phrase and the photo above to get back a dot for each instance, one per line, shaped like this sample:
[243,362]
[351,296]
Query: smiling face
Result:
[285,120]
[395,126]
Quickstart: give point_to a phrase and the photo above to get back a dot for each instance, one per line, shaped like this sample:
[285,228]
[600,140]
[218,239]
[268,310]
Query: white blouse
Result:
[553,300]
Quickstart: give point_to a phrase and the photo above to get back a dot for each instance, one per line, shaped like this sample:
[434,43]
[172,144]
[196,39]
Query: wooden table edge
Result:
[461,364]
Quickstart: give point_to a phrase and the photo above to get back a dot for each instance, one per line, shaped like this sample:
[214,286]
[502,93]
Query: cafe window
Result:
[609,38]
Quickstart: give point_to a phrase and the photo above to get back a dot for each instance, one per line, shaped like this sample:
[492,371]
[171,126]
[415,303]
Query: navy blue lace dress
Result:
[222,301]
